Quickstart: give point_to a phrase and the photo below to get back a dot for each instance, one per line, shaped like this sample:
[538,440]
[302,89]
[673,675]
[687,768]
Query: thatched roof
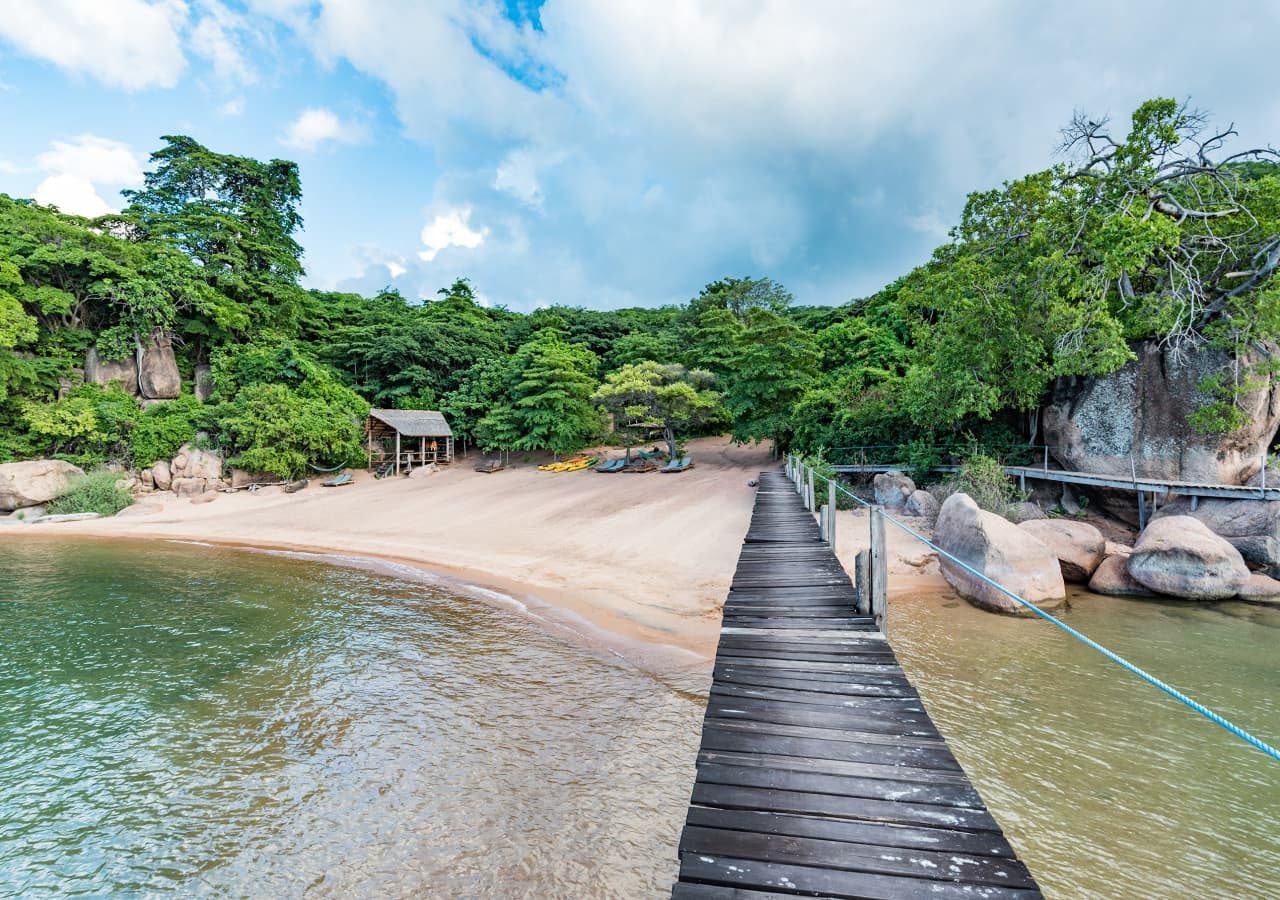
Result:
[414,422]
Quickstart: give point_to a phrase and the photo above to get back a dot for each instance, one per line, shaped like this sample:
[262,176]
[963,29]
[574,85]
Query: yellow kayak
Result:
[566,465]
[578,464]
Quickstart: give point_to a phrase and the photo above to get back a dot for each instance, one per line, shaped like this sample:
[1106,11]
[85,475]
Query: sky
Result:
[608,153]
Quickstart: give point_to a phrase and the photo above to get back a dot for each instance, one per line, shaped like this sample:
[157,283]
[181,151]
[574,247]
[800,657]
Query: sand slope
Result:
[647,558]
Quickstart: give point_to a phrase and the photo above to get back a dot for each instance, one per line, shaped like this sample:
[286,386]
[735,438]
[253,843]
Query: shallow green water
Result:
[220,722]
[1106,786]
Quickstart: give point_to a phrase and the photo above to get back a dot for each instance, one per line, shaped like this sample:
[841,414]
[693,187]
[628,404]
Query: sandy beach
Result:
[639,562]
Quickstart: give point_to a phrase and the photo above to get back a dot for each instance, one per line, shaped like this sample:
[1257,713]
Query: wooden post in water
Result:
[832,508]
[879,571]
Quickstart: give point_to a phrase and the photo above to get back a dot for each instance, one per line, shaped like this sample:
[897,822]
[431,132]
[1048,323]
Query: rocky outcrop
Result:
[104,372]
[202,383]
[158,375]
[1079,546]
[1180,557]
[162,475]
[1100,423]
[1112,578]
[194,472]
[1251,526]
[999,550]
[34,482]
[892,489]
[922,505]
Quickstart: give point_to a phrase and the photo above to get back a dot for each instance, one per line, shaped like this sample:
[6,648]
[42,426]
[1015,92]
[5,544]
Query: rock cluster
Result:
[1001,551]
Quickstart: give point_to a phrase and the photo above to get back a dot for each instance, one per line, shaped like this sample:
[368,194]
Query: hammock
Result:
[324,471]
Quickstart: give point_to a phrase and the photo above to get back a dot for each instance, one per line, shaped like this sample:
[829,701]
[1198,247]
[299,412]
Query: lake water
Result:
[1107,786]
[220,722]
[231,723]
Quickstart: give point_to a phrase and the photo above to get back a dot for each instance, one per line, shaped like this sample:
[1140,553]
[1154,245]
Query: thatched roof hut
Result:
[408,437]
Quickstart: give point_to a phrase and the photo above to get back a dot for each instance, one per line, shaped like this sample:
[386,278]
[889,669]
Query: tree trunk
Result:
[670,435]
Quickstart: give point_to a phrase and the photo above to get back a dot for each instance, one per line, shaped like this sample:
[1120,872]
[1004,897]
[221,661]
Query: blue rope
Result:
[1088,641]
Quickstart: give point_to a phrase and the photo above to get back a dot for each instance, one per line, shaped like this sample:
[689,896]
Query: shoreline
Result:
[634,565]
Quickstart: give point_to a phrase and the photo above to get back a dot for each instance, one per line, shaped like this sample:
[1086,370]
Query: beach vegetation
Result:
[100,492]
[649,396]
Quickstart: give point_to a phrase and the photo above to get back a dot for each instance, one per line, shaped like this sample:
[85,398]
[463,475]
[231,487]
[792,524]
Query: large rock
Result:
[892,489]
[162,475]
[158,376]
[202,383]
[1260,551]
[100,371]
[999,550]
[1113,579]
[922,504]
[1026,511]
[195,471]
[1260,589]
[1080,547]
[34,482]
[1139,413]
[1229,518]
[1179,556]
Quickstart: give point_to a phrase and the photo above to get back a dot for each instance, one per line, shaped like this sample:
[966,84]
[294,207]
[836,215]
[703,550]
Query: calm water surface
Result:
[227,723]
[214,722]
[1106,786]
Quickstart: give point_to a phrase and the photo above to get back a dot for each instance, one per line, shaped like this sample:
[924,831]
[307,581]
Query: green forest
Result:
[1162,231]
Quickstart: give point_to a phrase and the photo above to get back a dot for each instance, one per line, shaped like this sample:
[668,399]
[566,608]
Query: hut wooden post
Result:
[397,452]
[422,451]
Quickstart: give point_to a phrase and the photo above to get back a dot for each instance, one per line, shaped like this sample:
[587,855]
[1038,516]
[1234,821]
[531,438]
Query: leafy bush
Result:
[88,426]
[983,478]
[163,428]
[96,492]
[271,428]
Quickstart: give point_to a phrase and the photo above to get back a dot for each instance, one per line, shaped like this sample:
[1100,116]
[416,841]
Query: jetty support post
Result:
[879,571]
[1142,510]
[862,581]
[832,507]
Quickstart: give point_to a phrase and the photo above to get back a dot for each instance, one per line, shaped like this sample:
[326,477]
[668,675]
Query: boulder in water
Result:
[1001,551]
[1179,556]
[1112,578]
[34,482]
[1080,547]
[1260,589]
[892,489]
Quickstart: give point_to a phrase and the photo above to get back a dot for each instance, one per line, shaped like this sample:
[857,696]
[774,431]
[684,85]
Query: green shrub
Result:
[983,478]
[270,428]
[164,428]
[96,492]
[89,425]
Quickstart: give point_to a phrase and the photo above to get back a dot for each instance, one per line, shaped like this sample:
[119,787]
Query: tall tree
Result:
[773,362]
[649,394]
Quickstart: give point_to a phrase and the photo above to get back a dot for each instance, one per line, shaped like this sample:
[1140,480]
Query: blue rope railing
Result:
[1116,658]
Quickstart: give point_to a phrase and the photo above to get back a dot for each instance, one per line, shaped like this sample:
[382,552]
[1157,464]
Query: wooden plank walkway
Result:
[820,773]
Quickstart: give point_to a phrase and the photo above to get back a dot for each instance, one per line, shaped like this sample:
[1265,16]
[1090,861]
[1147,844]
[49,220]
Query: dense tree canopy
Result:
[1161,233]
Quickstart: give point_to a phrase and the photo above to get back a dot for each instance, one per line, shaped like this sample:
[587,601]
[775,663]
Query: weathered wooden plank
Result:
[820,772]
[822,882]
[945,866]
[882,834]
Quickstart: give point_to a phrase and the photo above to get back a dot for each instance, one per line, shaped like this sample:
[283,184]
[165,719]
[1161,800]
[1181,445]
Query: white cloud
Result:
[315,126]
[232,107]
[216,38]
[130,44]
[450,229]
[76,169]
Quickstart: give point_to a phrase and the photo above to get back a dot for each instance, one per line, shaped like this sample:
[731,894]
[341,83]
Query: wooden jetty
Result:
[820,773]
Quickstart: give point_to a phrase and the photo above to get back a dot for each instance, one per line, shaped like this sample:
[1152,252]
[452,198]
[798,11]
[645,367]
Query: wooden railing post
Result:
[862,581]
[824,523]
[832,507]
[811,504]
[879,574]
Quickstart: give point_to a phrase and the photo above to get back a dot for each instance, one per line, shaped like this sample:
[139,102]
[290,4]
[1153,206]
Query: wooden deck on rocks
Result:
[820,774]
